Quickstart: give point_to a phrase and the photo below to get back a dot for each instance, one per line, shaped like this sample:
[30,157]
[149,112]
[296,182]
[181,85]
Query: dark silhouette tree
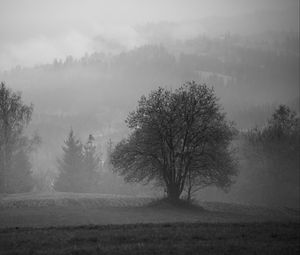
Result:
[179,138]
[14,146]
[70,166]
[282,124]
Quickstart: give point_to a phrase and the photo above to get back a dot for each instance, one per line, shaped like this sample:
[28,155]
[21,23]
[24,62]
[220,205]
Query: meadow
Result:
[166,238]
[76,209]
[70,223]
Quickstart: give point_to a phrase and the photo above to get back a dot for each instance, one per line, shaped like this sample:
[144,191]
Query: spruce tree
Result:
[91,162]
[70,166]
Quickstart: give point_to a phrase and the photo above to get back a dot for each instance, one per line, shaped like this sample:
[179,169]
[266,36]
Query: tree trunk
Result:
[3,169]
[189,193]
[173,192]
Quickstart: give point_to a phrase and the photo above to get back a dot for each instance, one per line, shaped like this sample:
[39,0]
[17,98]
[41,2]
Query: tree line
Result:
[78,166]
[180,139]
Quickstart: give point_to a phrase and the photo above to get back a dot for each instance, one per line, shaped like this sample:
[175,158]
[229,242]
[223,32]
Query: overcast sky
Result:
[37,31]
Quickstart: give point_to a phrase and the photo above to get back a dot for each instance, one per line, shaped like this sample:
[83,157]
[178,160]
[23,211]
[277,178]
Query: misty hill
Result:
[237,67]
[94,94]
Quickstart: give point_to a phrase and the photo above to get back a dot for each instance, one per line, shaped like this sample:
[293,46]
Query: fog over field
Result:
[149,127]
[84,65]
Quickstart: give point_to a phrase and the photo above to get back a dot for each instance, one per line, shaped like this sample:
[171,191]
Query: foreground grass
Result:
[60,209]
[166,238]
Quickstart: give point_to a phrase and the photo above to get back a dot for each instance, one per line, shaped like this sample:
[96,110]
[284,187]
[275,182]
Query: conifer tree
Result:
[70,165]
[91,161]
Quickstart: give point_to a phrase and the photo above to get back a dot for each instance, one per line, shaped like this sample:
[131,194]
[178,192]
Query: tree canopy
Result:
[181,139]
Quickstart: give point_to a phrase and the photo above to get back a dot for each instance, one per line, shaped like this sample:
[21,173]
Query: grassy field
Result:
[68,223]
[167,238]
[69,209]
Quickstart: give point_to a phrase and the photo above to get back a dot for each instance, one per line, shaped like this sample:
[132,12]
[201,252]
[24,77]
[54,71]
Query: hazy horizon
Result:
[37,32]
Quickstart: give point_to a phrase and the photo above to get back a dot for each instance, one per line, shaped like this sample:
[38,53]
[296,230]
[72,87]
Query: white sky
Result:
[37,31]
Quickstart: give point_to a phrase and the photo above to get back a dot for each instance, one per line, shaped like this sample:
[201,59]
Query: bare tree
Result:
[179,138]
